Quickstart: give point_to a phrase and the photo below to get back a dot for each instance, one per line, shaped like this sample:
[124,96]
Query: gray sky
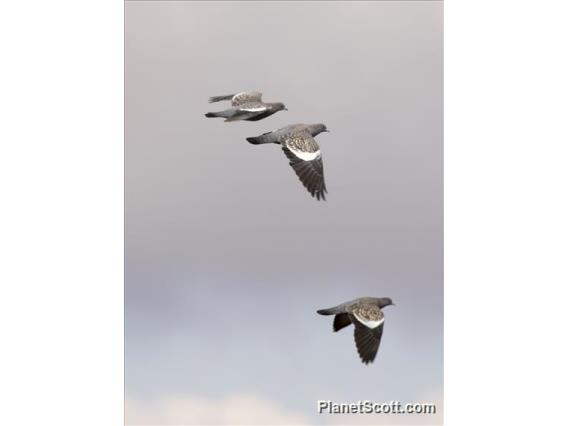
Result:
[228,257]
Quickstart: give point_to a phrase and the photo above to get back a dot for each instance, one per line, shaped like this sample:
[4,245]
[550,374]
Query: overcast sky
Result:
[228,257]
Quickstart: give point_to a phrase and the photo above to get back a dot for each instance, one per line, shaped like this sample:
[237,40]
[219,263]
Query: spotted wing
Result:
[246,97]
[305,158]
[367,340]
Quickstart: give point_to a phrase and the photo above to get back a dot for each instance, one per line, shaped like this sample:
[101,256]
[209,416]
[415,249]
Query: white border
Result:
[61,228]
[506,191]
[61,220]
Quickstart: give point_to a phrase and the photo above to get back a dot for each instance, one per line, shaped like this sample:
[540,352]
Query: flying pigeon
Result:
[245,106]
[299,145]
[366,315]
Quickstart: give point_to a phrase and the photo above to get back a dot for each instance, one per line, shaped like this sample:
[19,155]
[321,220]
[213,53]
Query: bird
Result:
[303,152]
[367,316]
[245,106]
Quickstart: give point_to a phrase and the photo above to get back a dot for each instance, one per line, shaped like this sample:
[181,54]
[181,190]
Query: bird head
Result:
[316,129]
[279,106]
[385,301]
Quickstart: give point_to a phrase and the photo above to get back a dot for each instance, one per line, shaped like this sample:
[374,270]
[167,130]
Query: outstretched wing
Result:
[246,97]
[305,158]
[367,340]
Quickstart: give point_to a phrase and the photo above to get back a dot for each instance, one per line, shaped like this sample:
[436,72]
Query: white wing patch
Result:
[369,323]
[255,109]
[306,156]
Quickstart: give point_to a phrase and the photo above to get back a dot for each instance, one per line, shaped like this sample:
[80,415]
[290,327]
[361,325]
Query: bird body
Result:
[279,136]
[302,151]
[245,106]
[368,318]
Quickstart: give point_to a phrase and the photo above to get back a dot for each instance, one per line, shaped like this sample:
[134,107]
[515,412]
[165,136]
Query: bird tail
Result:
[258,140]
[331,311]
[220,98]
[255,140]
[223,114]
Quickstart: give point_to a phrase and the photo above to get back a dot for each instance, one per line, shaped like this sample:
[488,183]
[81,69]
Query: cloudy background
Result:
[228,257]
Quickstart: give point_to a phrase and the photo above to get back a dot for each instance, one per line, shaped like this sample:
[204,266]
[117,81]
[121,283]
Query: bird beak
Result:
[327,131]
[285,109]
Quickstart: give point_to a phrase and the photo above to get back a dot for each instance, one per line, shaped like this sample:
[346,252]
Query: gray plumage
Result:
[303,153]
[245,106]
[368,318]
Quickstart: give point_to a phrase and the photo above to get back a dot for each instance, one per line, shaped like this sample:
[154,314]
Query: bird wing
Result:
[305,158]
[367,340]
[252,107]
[341,321]
[238,113]
[246,97]
[220,98]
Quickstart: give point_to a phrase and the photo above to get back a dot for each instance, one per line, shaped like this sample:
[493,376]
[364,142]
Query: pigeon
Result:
[245,106]
[366,315]
[303,152]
